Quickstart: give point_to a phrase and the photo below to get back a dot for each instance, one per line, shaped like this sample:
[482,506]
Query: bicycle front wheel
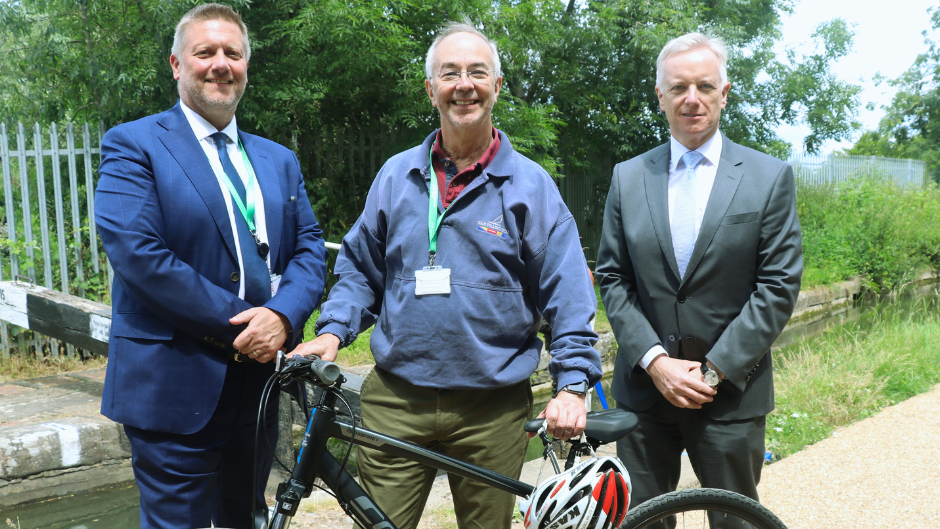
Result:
[702,508]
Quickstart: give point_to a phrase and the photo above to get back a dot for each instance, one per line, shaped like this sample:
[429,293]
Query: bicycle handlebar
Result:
[310,369]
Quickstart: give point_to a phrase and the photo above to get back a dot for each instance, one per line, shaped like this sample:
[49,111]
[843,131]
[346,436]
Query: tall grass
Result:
[852,372]
[868,227]
[20,367]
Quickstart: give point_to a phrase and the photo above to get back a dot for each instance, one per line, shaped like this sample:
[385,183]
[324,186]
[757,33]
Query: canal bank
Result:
[53,442]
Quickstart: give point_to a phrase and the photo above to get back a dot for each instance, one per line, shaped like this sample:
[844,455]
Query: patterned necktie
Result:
[683,216]
[257,279]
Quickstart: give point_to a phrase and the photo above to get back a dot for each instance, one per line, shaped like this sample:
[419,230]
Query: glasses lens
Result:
[449,76]
[452,76]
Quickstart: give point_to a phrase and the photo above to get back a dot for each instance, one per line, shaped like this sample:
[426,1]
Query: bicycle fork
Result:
[315,460]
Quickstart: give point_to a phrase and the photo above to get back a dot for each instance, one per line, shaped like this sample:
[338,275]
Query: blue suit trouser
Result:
[205,478]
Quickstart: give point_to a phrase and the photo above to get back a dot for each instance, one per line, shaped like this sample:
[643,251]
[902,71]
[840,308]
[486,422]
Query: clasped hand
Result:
[681,382]
[266,333]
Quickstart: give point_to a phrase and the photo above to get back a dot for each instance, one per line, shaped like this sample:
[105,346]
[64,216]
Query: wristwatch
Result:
[578,389]
[711,376]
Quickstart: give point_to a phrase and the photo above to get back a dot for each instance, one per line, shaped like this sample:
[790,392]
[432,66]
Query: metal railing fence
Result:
[50,240]
[831,169]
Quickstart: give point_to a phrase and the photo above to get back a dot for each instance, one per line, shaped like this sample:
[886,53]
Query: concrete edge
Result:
[30,449]
[54,483]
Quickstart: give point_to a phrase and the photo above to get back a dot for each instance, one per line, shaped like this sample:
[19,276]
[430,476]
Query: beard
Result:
[195,88]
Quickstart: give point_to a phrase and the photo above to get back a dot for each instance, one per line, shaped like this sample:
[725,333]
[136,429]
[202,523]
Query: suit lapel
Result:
[182,144]
[270,187]
[657,189]
[727,179]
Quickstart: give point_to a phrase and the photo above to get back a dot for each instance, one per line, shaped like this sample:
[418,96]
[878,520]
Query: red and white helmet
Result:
[594,494]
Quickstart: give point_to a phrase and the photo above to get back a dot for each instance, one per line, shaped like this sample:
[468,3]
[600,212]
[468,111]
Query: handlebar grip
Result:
[327,372]
[533,425]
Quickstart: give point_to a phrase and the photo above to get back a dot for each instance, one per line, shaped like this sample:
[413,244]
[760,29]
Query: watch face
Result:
[711,378]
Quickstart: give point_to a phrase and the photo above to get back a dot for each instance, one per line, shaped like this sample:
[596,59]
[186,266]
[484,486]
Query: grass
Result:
[358,352]
[601,323]
[19,368]
[850,373]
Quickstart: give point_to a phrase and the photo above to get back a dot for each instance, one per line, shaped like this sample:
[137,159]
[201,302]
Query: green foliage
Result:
[805,88]
[86,61]
[328,76]
[868,227]
[911,125]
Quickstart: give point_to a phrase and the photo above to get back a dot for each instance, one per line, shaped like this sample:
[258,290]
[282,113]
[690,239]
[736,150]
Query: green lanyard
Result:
[248,213]
[434,220]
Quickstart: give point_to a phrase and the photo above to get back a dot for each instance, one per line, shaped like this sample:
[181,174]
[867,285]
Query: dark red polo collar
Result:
[450,184]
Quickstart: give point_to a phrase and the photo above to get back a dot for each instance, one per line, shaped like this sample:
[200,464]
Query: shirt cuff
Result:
[336,329]
[567,378]
[654,351]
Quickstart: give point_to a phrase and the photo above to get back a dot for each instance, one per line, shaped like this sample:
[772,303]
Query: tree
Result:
[86,60]
[341,82]
[911,125]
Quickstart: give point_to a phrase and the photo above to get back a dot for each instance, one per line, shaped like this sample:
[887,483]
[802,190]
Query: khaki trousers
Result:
[482,427]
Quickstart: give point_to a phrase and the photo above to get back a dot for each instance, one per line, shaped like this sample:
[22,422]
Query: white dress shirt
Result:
[204,131]
[704,180]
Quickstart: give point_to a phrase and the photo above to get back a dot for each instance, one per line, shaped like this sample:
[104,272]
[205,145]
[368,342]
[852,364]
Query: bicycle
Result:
[315,461]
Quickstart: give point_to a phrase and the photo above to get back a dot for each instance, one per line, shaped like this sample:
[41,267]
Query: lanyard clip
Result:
[431,258]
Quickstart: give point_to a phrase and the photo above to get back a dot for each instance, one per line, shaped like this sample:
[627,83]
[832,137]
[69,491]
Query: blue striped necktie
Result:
[256,276]
[683,215]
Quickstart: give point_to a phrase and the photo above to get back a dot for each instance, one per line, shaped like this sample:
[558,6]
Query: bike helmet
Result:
[594,494]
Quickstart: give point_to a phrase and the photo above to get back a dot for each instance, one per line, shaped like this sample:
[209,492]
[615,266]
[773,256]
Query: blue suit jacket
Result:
[164,225]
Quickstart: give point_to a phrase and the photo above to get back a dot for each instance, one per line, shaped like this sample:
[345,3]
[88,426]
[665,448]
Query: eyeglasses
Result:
[453,75]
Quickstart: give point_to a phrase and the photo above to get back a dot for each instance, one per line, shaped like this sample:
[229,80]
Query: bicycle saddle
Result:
[605,426]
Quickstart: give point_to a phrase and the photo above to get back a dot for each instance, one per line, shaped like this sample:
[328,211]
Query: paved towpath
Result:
[879,472]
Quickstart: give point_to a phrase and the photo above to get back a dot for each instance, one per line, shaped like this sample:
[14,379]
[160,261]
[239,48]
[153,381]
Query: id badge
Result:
[432,280]
[275,282]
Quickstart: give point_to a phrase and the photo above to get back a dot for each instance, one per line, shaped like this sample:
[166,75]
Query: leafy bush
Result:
[868,227]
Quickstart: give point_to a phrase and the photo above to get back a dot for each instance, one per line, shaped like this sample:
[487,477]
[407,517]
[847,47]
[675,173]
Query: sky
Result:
[887,40]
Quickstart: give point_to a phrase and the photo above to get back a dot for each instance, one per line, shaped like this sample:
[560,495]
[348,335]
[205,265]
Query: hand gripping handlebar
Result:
[308,369]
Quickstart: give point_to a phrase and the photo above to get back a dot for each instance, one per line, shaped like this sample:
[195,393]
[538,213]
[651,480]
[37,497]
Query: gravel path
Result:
[879,472]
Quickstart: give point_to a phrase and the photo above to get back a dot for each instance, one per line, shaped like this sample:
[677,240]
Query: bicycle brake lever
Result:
[280,362]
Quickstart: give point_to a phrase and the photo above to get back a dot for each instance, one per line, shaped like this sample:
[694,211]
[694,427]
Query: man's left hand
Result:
[565,416]
[266,333]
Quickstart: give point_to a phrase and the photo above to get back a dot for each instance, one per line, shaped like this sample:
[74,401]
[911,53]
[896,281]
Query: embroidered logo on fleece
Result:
[494,227]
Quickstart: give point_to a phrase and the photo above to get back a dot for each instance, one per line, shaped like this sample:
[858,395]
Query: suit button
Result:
[234,277]
[681,299]
[672,337]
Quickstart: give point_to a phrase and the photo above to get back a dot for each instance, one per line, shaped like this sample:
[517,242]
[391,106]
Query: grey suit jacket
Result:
[741,285]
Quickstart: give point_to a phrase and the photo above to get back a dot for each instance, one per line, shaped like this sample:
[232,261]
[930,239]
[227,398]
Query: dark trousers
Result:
[724,454]
[205,478]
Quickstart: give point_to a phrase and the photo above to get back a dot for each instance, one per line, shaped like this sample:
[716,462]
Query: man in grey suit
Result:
[699,268]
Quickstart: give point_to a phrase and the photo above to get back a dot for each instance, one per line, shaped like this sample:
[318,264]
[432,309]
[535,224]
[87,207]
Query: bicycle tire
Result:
[704,500]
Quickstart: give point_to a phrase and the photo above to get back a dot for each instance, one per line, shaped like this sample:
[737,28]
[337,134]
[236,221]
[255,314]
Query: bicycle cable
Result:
[260,424]
[352,437]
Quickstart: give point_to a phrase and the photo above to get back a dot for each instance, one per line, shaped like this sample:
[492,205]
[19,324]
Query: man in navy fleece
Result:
[456,266]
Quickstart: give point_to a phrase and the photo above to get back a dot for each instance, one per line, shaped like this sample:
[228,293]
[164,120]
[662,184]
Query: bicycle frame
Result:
[315,461]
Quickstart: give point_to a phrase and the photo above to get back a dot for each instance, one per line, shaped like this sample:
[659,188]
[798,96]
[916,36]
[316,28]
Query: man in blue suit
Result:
[218,263]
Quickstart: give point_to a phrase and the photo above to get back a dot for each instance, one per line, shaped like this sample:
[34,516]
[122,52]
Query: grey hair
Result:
[463,26]
[206,12]
[689,42]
